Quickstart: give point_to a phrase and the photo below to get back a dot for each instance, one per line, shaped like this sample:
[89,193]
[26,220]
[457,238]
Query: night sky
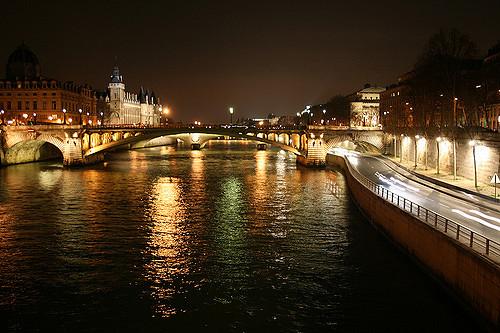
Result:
[261,57]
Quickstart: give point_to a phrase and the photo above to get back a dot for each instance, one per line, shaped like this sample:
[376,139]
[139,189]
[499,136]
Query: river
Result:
[227,238]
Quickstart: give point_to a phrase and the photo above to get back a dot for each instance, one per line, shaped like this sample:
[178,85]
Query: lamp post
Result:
[231,110]
[401,149]
[102,117]
[473,144]
[80,111]
[64,116]
[34,118]
[3,116]
[438,140]
[454,138]
[416,152]
[88,118]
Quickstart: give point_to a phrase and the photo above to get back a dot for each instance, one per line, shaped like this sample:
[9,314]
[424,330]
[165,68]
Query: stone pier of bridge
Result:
[23,144]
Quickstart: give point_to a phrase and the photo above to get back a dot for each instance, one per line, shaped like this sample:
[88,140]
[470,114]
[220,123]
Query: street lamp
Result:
[102,117]
[3,117]
[401,149]
[34,118]
[473,144]
[231,110]
[416,152]
[64,116]
[438,140]
[80,110]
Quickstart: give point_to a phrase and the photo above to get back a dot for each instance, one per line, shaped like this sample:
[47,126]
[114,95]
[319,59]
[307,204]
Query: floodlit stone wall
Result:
[487,154]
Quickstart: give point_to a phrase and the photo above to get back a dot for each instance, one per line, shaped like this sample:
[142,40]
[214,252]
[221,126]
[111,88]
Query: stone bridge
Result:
[79,144]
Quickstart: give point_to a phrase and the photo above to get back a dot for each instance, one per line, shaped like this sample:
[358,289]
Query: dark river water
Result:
[223,239]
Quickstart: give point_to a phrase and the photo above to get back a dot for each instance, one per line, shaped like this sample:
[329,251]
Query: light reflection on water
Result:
[228,238]
[166,242]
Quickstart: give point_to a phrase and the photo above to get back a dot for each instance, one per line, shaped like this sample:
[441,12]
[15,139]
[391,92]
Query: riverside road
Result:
[474,212]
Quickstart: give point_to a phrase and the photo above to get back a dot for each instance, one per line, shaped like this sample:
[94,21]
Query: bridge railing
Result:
[204,126]
[474,240]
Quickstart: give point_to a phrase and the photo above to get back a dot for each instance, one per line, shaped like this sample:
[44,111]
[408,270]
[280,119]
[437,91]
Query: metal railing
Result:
[474,240]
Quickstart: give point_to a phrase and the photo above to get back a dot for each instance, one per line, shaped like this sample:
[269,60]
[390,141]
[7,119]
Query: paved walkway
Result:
[483,188]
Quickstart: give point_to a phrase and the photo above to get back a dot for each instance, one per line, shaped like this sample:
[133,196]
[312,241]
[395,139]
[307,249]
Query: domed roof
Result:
[22,64]
[24,54]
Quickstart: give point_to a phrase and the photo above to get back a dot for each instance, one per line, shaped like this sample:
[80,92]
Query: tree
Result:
[439,75]
[335,112]
[441,86]
[339,107]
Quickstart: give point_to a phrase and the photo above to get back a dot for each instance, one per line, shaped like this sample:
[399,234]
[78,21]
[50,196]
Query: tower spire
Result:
[116,77]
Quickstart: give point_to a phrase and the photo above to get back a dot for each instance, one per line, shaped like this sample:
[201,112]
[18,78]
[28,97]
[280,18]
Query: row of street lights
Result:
[472,143]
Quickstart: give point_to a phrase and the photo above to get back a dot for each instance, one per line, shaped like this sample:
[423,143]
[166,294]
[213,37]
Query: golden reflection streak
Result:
[166,241]
[260,193]
[197,166]
[198,184]
[280,198]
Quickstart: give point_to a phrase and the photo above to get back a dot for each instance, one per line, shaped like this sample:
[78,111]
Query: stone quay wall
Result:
[471,277]
[487,153]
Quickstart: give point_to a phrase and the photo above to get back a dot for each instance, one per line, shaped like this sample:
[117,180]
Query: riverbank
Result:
[470,277]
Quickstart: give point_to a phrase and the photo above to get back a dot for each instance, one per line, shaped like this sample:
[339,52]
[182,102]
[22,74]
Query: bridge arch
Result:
[273,136]
[130,138]
[303,141]
[33,150]
[106,137]
[284,138]
[353,144]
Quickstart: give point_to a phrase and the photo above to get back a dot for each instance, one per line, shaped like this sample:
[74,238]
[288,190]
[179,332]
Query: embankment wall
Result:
[472,277]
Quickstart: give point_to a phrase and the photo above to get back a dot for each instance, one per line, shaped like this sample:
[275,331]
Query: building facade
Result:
[128,108]
[491,89]
[28,97]
[365,107]
[396,107]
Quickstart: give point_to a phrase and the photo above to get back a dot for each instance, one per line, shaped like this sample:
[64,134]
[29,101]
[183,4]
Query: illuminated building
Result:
[128,108]
[28,97]
[365,106]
